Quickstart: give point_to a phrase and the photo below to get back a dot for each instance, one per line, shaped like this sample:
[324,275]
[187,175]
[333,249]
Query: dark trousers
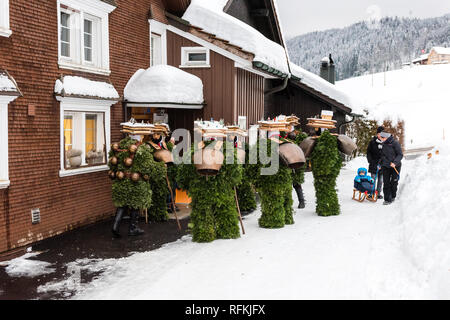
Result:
[390,180]
[379,180]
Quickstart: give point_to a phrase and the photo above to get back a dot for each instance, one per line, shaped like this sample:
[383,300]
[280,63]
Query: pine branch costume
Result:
[131,166]
[246,195]
[214,213]
[275,191]
[326,164]
[158,209]
[125,191]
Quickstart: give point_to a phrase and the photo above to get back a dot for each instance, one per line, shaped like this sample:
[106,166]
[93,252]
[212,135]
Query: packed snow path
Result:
[370,251]
[356,255]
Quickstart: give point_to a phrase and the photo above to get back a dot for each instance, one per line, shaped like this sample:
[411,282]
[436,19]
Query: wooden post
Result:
[173,203]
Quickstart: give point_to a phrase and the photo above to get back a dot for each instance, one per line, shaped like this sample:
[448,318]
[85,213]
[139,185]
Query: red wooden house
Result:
[64,65]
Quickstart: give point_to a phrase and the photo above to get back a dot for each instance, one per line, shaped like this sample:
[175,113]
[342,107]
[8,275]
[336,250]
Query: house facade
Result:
[439,55]
[64,66]
[42,42]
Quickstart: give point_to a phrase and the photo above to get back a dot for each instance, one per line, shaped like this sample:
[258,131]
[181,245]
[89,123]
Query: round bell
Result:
[308,145]
[112,174]
[120,175]
[208,162]
[115,146]
[133,148]
[128,162]
[164,156]
[135,176]
[346,144]
[114,161]
[292,155]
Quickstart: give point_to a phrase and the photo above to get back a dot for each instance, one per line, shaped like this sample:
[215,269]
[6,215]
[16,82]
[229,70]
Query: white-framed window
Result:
[195,57]
[158,43]
[4,19]
[85,135]
[4,165]
[155,50]
[84,35]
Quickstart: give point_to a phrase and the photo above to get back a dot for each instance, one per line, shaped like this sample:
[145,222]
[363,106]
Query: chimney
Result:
[327,69]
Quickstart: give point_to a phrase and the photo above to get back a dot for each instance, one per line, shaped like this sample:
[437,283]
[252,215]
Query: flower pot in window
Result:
[74,157]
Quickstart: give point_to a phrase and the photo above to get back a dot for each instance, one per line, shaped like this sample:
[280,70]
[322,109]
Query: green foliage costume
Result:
[326,164]
[126,192]
[214,213]
[246,194]
[158,209]
[275,191]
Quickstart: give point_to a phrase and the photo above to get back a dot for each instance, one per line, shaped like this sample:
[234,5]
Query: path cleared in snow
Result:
[356,255]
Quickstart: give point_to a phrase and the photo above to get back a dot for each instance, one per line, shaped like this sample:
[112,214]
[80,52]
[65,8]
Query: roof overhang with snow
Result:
[79,87]
[208,17]
[164,87]
[8,86]
[323,89]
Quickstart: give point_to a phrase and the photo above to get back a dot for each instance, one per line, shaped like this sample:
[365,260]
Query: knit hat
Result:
[380,129]
[385,134]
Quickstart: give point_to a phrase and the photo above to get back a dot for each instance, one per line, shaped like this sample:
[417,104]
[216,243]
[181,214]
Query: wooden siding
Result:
[218,85]
[31,56]
[249,96]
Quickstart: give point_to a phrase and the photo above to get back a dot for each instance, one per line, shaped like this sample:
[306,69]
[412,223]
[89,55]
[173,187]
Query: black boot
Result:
[134,221]
[301,198]
[119,215]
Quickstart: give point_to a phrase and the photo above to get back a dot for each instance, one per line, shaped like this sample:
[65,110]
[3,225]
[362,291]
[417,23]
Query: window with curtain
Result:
[84,139]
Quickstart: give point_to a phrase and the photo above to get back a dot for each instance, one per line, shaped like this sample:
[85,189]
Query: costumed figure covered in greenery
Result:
[132,167]
[159,183]
[326,164]
[214,212]
[245,191]
[275,190]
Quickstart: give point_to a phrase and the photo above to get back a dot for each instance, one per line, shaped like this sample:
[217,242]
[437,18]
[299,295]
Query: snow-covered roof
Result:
[7,84]
[321,85]
[209,15]
[422,57]
[441,50]
[164,84]
[82,87]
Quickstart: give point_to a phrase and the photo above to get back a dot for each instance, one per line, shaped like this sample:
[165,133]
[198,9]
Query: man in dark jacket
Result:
[374,157]
[391,163]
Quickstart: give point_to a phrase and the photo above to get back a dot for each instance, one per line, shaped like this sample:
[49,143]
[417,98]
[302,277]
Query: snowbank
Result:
[165,84]
[24,267]
[425,220]
[317,83]
[209,15]
[79,86]
[418,95]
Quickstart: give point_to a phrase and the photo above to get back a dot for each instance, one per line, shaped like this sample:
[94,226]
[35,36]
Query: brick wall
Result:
[31,57]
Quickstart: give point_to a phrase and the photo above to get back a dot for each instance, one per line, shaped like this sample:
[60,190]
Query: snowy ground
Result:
[418,95]
[370,251]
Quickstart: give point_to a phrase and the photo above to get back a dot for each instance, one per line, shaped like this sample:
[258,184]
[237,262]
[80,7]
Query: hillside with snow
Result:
[363,47]
[419,95]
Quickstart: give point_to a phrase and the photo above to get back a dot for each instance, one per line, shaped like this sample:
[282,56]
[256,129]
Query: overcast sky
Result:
[303,16]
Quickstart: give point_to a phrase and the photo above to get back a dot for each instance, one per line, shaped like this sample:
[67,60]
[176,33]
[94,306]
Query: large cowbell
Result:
[165,156]
[346,145]
[292,155]
[208,161]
